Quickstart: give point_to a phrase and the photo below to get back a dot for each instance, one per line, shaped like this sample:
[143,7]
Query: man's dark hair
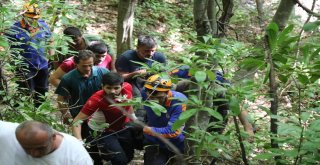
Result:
[72,32]
[83,55]
[145,40]
[112,78]
[98,47]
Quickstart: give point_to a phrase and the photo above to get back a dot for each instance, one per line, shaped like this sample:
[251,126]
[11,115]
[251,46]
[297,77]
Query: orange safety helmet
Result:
[31,10]
[155,82]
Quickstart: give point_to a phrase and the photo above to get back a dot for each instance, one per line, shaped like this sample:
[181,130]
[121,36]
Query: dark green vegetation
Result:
[243,54]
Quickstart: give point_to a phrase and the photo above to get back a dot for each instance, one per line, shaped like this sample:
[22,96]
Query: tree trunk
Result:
[206,23]
[212,16]
[280,18]
[201,20]
[259,4]
[125,25]
[283,13]
[226,15]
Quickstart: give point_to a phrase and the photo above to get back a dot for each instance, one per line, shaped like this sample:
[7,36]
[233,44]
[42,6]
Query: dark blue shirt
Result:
[125,62]
[32,48]
[79,89]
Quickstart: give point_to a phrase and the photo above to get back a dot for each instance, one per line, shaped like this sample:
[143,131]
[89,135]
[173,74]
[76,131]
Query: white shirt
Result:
[70,151]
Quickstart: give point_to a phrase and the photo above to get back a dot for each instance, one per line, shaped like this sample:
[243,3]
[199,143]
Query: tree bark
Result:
[212,16]
[201,20]
[226,15]
[280,18]
[206,23]
[259,4]
[125,25]
[283,13]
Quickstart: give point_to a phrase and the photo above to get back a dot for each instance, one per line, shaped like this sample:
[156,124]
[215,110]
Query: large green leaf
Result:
[3,42]
[235,105]
[303,78]
[214,113]
[177,124]
[211,75]
[184,116]
[266,75]
[305,116]
[250,63]
[284,34]
[311,25]
[187,114]
[157,109]
[200,76]
[283,78]
[272,32]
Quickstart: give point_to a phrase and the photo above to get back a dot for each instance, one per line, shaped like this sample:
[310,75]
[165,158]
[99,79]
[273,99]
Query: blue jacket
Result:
[163,124]
[31,48]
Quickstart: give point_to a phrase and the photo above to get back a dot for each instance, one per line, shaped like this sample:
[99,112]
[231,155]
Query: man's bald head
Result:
[29,128]
[36,138]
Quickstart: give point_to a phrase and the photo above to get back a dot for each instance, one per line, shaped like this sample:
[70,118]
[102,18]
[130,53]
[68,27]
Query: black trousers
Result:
[34,82]
[154,155]
[116,147]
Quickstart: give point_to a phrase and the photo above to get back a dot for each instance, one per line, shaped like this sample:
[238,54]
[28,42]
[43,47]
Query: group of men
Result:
[88,97]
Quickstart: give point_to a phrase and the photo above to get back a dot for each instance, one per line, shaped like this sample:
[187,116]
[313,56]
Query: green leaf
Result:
[284,34]
[187,114]
[235,105]
[283,78]
[184,116]
[206,38]
[272,32]
[311,25]
[215,114]
[266,75]
[177,124]
[305,116]
[250,63]
[291,153]
[3,42]
[26,116]
[266,109]
[200,76]
[211,75]
[314,78]
[303,78]
[157,109]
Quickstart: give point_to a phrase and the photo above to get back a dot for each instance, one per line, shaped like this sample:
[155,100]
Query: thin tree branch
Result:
[302,130]
[301,31]
[243,150]
[306,9]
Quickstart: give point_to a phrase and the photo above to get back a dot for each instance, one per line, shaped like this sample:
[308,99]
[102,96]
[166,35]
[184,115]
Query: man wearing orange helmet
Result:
[29,37]
[157,90]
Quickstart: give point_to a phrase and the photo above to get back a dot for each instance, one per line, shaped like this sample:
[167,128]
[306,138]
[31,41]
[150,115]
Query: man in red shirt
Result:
[113,139]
